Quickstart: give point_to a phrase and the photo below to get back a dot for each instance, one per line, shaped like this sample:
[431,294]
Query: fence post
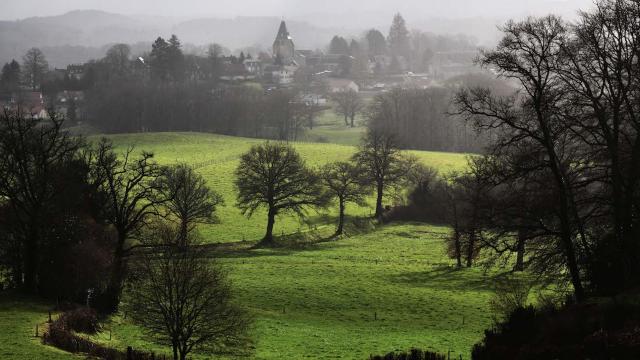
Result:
[36,330]
[49,321]
[129,353]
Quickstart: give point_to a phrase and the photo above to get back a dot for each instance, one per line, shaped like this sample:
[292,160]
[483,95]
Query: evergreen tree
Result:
[376,42]
[159,59]
[176,59]
[10,77]
[339,46]
[399,37]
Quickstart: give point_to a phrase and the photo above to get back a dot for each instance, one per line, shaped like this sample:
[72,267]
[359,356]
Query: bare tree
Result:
[383,163]
[192,201]
[274,176]
[527,54]
[184,299]
[348,104]
[599,70]
[344,180]
[34,67]
[132,196]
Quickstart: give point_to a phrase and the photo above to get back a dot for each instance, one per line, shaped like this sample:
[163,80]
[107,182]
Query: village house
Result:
[29,102]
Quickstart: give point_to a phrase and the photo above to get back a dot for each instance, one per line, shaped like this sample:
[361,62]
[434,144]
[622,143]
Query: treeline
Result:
[424,119]
[400,50]
[169,91]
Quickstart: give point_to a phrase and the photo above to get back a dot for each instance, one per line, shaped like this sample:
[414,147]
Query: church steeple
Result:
[283,33]
[283,47]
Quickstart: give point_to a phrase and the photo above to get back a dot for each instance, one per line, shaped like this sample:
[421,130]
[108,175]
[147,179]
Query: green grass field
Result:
[222,154]
[373,292]
[321,301]
[18,319]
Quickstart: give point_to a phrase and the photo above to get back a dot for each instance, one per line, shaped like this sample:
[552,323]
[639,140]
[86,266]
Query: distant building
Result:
[75,71]
[29,102]
[284,49]
[285,59]
[337,85]
[236,72]
[253,66]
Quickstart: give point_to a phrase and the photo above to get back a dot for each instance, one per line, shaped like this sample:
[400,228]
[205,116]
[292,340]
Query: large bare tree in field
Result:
[274,176]
[344,181]
[184,299]
[191,201]
[384,164]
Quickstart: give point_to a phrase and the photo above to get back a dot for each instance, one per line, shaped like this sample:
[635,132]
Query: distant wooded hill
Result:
[78,36]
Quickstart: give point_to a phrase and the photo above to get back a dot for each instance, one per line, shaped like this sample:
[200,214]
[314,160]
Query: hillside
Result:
[372,293]
[217,157]
[378,290]
[81,35]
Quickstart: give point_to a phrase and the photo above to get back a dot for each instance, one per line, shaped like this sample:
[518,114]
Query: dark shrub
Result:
[586,331]
[59,336]
[83,320]
[413,354]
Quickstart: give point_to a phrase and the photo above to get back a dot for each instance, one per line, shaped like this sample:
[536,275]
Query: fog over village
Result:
[286,179]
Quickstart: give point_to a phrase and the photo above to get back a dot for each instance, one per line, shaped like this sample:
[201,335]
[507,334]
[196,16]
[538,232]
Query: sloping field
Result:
[216,158]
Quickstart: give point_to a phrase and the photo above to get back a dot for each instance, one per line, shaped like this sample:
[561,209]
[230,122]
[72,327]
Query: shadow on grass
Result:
[451,278]
[323,238]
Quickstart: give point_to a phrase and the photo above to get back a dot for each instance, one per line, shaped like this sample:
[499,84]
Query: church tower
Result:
[283,47]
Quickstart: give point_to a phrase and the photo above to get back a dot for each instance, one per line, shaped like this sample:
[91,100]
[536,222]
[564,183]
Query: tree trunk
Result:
[184,233]
[346,120]
[458,248]
[271,219]
[566,207]
[341,218]
[174,345]
[379,209]
[31,259]
[470,248]
[114,288]
[353,121]
[520,251]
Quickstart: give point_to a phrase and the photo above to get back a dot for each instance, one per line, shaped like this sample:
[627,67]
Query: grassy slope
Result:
[18,318]
[224,151]
[331,291]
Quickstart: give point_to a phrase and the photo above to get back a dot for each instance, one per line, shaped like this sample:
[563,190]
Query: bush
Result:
[587,331]
[413,354]
[83,320]
[59,336]
[510,295]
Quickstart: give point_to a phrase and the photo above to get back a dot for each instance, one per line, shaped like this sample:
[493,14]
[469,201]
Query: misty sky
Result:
[422,9]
